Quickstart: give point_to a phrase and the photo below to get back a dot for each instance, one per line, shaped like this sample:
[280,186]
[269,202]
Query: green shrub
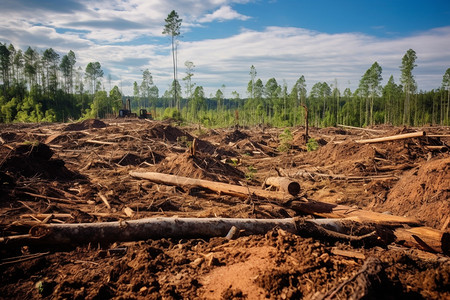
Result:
[312,145]
[286,139]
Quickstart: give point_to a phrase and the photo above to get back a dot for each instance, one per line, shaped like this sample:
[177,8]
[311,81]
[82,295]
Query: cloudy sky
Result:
[324,40]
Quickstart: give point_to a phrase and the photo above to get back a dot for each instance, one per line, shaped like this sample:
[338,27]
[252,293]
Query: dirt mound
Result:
[235,136]
[347,157]
[277,265]
[130,159]
[35,161]
[167,133]
[200,166]
[423,193]
[86,124]
[183,139]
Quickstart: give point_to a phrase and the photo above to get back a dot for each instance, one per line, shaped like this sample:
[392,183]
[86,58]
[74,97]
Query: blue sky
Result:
[332,41]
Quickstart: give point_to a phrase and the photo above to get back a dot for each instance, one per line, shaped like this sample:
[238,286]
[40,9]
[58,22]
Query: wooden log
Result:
[153,228]
[425,238]
[422,237]
[357,128]
[219,187]
[393,138]
[437,148]
[166,227]
[331,210]
[284,184]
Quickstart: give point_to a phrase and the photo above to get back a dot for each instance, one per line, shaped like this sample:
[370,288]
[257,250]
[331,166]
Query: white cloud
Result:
[106,31]
[224,13]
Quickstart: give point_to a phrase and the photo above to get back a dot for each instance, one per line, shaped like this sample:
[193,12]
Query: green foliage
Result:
[312,145]
[172,113]
[250,174]
[285,140]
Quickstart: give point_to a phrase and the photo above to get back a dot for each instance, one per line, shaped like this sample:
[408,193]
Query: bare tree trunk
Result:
[417,134]
[228,189]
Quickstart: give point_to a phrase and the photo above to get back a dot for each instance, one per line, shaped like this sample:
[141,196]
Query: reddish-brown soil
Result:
[74,173]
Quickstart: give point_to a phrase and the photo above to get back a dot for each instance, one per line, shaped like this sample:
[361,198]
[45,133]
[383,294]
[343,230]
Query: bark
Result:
[284,184]
[164,227]
[219,187]
[393,137]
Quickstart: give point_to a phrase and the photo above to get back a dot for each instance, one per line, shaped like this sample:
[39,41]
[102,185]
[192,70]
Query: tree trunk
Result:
[219,187]
[393,137]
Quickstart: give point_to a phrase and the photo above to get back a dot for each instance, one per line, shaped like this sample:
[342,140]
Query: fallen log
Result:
[312,175]
[393,138]
[421,237]
[166,227]
[437,148]
[424,238]
[357,128]
[284,184]
[219,187]
[331,210]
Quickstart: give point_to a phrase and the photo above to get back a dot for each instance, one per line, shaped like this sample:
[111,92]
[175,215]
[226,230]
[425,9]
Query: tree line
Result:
[42,86]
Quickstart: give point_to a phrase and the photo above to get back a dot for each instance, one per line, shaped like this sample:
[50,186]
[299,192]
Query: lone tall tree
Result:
[409,84]
[172,28]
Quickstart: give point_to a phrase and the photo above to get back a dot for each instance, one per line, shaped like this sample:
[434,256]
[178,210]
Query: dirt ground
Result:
[79,173]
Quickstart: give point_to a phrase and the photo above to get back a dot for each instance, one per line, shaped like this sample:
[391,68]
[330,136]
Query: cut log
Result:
[153,228]
[425,238]
[358,128]
[393,138]
[219,187]
[331,210]
[421,237]
[284,184]
[437,148]
[166,227]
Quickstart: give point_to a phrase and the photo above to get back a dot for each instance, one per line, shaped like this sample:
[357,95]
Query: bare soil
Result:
[77,173]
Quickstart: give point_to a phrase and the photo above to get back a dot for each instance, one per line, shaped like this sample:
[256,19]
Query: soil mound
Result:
[347,158]
[167,133]
[86,124]
[423,193]
[200,166]
[235,136]
[35,161]
[183,139]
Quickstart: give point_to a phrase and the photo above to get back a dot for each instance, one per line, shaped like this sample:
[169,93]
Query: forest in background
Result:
[42,86]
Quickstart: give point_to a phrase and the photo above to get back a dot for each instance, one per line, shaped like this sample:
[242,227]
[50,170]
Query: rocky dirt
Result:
[79,173]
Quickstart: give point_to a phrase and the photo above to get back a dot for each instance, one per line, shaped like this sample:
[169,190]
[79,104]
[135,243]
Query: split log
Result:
[284,184]
[219,187]
[393,138]
[331,210]
[425,238]
[421,237]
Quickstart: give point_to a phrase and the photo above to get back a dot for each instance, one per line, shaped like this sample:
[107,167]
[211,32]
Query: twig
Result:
[13,260]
